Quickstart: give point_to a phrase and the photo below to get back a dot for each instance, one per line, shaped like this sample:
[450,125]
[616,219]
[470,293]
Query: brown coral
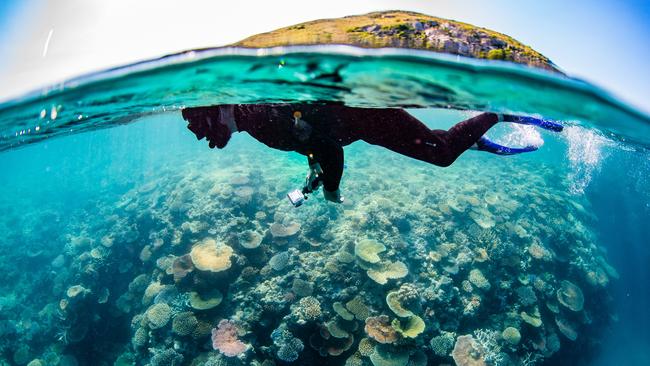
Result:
[380,329]
[467,352]
[181,267]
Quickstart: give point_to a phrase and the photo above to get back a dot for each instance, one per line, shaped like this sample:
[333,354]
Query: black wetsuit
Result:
[334,126]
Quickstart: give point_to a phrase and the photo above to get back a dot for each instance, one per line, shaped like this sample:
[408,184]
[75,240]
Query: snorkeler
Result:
[319,131]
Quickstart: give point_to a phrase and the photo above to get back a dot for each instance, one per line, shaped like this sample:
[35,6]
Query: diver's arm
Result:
[328,154]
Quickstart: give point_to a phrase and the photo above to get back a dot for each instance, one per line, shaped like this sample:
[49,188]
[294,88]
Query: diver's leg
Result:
[397,130]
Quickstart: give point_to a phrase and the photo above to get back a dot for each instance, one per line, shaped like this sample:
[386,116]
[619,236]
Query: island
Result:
[404,29]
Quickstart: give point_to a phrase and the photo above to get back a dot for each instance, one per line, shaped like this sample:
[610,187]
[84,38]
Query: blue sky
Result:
[603,41]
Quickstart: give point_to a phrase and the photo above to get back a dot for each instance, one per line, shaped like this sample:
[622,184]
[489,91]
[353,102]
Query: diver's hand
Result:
[314,179]
[204,122]
[197,119]
[334,196]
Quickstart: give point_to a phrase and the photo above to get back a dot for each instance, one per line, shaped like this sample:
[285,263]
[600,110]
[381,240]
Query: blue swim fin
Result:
[484,144]
[542,123]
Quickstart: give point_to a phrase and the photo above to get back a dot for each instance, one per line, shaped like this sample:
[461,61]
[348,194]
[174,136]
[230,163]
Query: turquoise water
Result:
[94,219]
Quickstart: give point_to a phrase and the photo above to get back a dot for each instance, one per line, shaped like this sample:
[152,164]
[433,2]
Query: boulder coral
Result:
[279,261]
[158,315]
[166,357]
[140,338]
[184,323]
[537,251]
[302,288]
[366,347]
[511,335]
[152,290]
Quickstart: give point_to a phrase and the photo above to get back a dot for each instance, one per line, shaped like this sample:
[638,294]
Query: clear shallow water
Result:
[104,209]
[357,77]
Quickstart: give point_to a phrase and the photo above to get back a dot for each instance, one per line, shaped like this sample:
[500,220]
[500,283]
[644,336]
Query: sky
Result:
[602,41]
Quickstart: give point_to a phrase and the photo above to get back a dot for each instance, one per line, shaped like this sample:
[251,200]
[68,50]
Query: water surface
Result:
[93,219]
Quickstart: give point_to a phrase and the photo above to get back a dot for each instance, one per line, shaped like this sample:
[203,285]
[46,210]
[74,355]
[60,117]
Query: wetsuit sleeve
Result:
[329,154]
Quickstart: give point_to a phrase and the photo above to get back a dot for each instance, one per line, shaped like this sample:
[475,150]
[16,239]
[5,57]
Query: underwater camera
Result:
[298,196]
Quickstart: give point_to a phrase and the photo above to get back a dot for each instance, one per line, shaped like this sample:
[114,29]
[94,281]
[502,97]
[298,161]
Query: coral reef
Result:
[205,263]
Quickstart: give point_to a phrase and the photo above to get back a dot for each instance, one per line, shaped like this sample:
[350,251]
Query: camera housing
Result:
[296,197]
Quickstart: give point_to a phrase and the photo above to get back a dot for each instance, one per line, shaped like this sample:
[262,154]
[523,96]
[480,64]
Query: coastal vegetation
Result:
[404,29]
